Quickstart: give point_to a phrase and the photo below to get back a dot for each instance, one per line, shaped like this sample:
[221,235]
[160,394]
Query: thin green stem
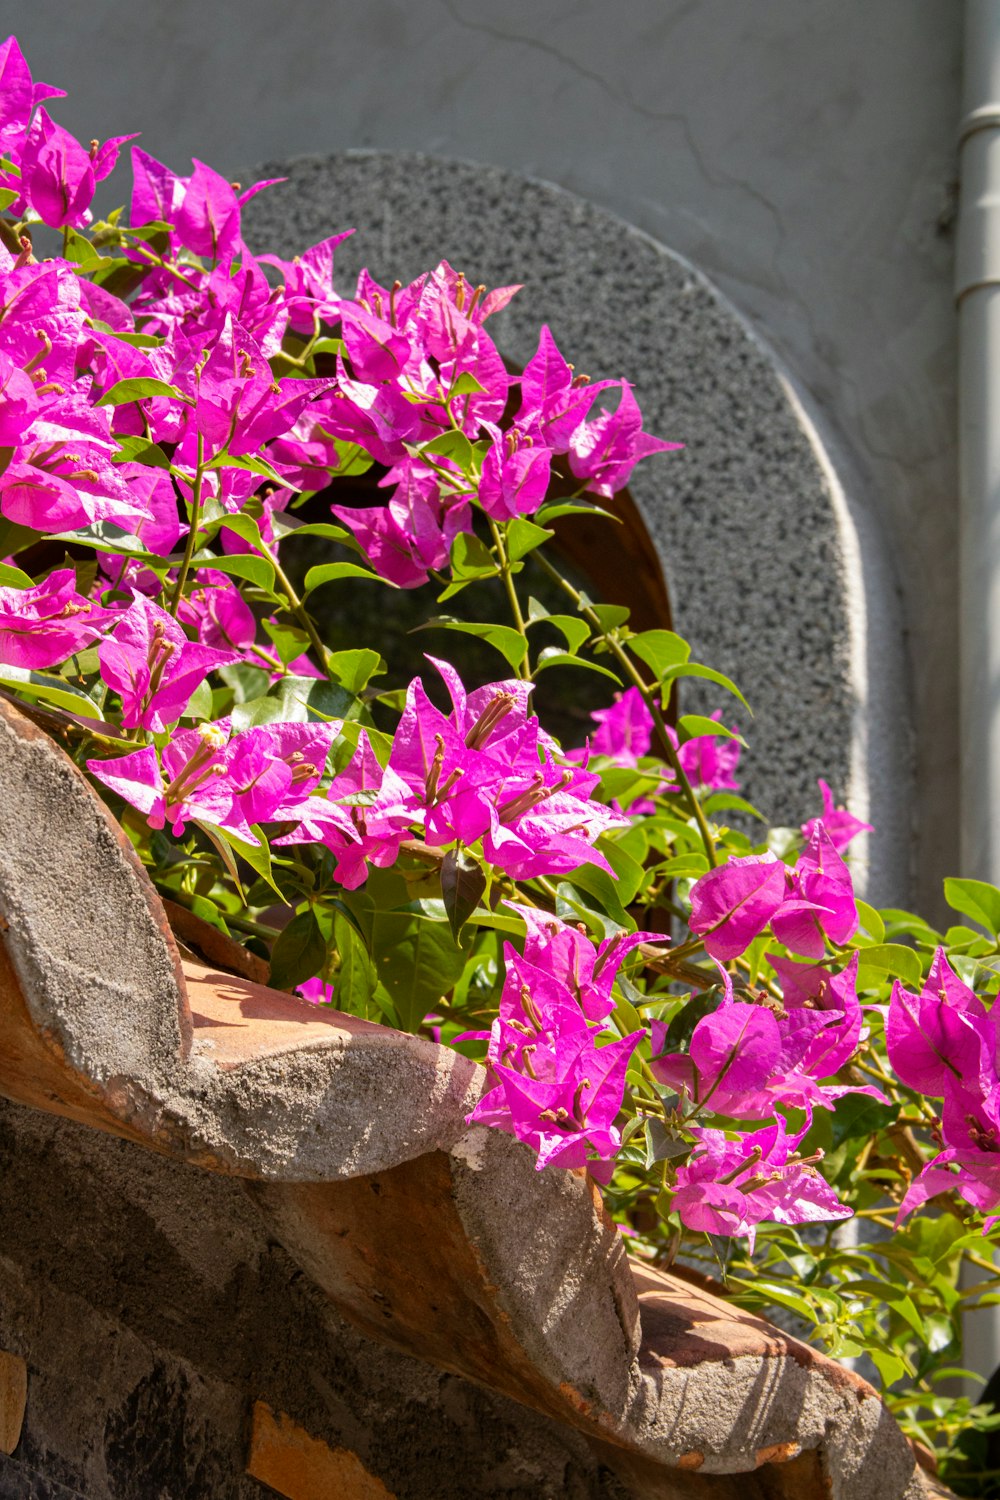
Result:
[195,522]
[649,697]
[523,669]
[298,609]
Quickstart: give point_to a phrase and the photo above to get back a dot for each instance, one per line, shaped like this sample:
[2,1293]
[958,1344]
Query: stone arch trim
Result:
[758,540]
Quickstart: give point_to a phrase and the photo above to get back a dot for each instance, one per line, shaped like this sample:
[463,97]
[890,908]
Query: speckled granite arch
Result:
[771,576]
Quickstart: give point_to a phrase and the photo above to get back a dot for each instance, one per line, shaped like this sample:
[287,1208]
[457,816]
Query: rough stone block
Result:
[284,1456]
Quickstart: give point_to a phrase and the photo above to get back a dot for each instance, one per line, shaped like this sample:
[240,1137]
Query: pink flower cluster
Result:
[944,1043]
[624,735]
[232,781]
[750,1057]
[804,906]
[554,1087]
[485,771]
[56,176]
[423,367]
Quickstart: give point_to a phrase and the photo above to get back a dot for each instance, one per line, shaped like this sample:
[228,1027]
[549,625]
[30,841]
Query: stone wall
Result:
[153,1311]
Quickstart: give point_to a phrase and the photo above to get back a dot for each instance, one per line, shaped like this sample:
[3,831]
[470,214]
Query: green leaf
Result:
[241,525]
[288,641]
[7,197]
[885,961]
[683,866]
[890,1367]
[330,572]
[246,682]
[253,465]
[603,888]
[356,980]
[629,872]
[611,615]
[660,649]
[575,630]
[256,570]
[284,525]
[466,385]
[355,669]
[42,687]
[139,450]
[299,952]
[200,702]
[975,899]
[896,1297]
[81,252]
[678,1032]
[15,538]
[258,857]
[417,960]
[728,801]
[859,1116]
[139,389]
[554,509]
[452,444]
[510,643]
[660,1146]
[523,536]
[695,669]
[470,558]
[692,726]
[352,458]
[295,700]
[13,578]
[137,340]
[871,921]
[463,883]
[551,656]
[782,1296]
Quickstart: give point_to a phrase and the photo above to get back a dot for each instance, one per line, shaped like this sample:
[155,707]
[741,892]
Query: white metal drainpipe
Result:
[977,290]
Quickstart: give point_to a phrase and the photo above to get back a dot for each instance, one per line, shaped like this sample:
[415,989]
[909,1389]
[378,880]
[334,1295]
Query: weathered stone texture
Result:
[153,1309]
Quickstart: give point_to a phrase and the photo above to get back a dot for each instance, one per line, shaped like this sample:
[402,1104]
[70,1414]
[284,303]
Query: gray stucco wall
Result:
[800,155]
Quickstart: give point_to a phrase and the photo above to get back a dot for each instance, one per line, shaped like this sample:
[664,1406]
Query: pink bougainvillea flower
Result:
[942,1037]
[554,400]
[624,731]
[57,174]
[317,991]
[219,613]
[567,1112]
[709,760]
[603,452]
[515,474]
[272,769]
[18,97]
[732,1055]
[586,970]
[19,402]
[190,784]
[729,1187]
[43,625]
[363,817]
[841,825]
[208,218]
[308,292]
[732,904]
[149,661]
[744,1059]
[820,900]
[157,193]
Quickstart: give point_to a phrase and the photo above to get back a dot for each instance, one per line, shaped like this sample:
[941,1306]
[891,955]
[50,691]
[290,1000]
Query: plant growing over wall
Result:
[746,1055]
